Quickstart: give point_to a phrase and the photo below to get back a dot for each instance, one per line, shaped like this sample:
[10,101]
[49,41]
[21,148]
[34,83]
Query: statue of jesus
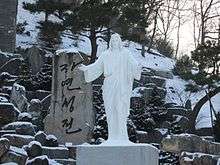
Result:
[120,69]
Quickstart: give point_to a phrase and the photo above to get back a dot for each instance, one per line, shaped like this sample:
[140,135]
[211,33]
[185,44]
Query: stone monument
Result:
[120,69]
[71,116]
[8,15]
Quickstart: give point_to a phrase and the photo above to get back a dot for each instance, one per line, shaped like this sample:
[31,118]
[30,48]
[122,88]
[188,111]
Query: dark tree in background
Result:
[49,7]
[136,17]
[50,31]
[50,35]
[216,128]
[93,17]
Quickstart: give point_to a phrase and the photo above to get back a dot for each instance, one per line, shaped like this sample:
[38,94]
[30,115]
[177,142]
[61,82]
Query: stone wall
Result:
[8,14]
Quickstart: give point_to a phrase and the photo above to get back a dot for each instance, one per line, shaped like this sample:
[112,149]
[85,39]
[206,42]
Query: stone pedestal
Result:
[136,154]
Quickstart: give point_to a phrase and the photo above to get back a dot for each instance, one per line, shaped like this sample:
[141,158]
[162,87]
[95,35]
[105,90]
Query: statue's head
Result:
[115,42]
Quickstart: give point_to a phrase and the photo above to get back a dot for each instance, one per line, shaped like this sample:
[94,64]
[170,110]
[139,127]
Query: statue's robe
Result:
[120,69]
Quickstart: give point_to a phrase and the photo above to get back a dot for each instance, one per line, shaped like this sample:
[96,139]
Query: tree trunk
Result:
[94,45]
[198,107]
[46,17]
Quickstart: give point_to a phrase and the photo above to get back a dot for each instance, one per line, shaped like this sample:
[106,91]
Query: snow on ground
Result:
[83,43]
[150,61]
[23,15]
[180,97]
[32,20]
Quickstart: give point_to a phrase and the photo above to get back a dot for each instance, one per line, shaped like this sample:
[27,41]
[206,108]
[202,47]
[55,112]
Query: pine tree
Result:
[94,17]
[48,7]
[207,58]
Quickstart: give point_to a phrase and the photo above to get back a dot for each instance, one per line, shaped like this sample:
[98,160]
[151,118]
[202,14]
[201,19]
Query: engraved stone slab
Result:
[71,117]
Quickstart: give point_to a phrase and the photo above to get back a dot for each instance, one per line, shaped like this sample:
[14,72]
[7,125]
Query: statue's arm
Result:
[93,71]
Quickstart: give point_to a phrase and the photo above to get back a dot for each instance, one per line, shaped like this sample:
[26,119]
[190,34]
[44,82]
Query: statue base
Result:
[135,154]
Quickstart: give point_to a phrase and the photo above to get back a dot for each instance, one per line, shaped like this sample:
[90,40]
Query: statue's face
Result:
[115,42]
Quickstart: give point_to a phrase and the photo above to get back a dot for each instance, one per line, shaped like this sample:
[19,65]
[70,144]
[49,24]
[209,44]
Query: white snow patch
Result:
[23,115]
[43,157]
[51,137]
[69,50]
[18,150]
[34,143]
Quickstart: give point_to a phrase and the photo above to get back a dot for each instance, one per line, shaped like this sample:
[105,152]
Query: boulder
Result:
[137,102]
[17,155]
[160,82]
[38,94]
[166,124]
[72,151]
[18,140]
[46,102]
[182,121]
[10,163]
[35,58]
[66,161]
[40,160]
[41,137]
[25,117]
[3,100]
[5,96]
[189,143]
[56,152]
[143,92]
[154,136]
[164,74]
[4,146]
[6,90]
[18,97]
[51,141]
[8,113]
[35,105]
[3,132]
[181,111]
[34,149]
[23,128]
[12,66]
[187,158]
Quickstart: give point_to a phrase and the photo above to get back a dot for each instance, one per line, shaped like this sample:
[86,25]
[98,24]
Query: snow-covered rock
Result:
[35,105]
[16,155]
[24,117]
[24,128]
[33,149]
[18,140]
[189,143]
[51,141]
[4,146]
[187,158]
[41,160]
[8,113]
[41,137]
[18,97]
[56,152]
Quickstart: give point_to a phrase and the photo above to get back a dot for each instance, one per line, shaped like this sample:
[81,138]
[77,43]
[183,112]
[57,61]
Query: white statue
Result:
[120,69]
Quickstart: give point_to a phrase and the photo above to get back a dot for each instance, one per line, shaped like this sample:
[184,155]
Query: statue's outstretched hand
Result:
[82,67]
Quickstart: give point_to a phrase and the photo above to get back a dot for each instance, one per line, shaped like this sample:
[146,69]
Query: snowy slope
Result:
[150,61]
[180,96]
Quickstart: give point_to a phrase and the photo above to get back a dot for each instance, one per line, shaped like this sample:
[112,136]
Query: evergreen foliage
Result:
[164,47]
[183,67]
[47,6]
[207,57]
